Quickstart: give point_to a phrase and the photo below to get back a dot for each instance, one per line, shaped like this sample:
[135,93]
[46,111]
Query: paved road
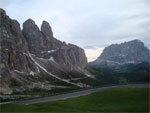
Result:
[76,94]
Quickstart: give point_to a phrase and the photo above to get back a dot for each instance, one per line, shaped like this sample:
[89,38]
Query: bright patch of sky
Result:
[90,24]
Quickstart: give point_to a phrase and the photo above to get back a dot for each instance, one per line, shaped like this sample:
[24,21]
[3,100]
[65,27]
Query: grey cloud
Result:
[89,47]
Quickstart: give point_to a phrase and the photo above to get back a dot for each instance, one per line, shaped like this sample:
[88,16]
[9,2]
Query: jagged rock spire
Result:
[46,30]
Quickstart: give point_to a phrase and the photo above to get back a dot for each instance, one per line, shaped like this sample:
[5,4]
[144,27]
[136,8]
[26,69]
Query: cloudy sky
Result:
[90,24]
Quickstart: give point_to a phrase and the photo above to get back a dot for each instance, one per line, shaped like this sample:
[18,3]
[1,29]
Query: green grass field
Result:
[112,100]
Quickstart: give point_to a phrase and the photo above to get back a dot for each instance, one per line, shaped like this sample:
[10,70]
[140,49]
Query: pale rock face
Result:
[34,37]
[47,30]
[69,56]
[13,44]
[17,46]
[128,52]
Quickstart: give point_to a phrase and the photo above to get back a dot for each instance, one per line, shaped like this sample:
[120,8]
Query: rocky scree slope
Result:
[33,59]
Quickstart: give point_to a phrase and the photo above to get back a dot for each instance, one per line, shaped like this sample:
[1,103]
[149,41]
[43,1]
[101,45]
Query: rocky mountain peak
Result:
[35,54]
[2,12]
[47,30]
[13,44]
[34,37]
[128,52]
[29,22]
[134,43]
[30,26]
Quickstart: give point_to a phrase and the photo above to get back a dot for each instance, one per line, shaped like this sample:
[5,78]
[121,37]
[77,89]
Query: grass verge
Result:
[111,100]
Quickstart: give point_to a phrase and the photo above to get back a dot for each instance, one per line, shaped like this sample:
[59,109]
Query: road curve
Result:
[77,94]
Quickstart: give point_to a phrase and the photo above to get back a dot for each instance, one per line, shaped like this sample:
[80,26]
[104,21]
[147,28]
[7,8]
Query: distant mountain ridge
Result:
[128,62]
[128,52]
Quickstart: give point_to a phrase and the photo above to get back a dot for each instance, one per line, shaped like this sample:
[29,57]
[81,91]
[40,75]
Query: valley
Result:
[40,72]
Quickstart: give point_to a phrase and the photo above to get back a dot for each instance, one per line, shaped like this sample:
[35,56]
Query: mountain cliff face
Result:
[129,61]
[129,52]
[33,58]
[44,45]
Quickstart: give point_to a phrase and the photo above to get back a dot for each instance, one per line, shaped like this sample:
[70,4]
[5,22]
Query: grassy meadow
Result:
[111,100]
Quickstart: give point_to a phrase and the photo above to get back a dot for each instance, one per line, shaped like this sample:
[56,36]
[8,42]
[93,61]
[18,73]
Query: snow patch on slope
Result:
[50,51]
[38,69]
[52,59]
[19,71]
[32,73]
